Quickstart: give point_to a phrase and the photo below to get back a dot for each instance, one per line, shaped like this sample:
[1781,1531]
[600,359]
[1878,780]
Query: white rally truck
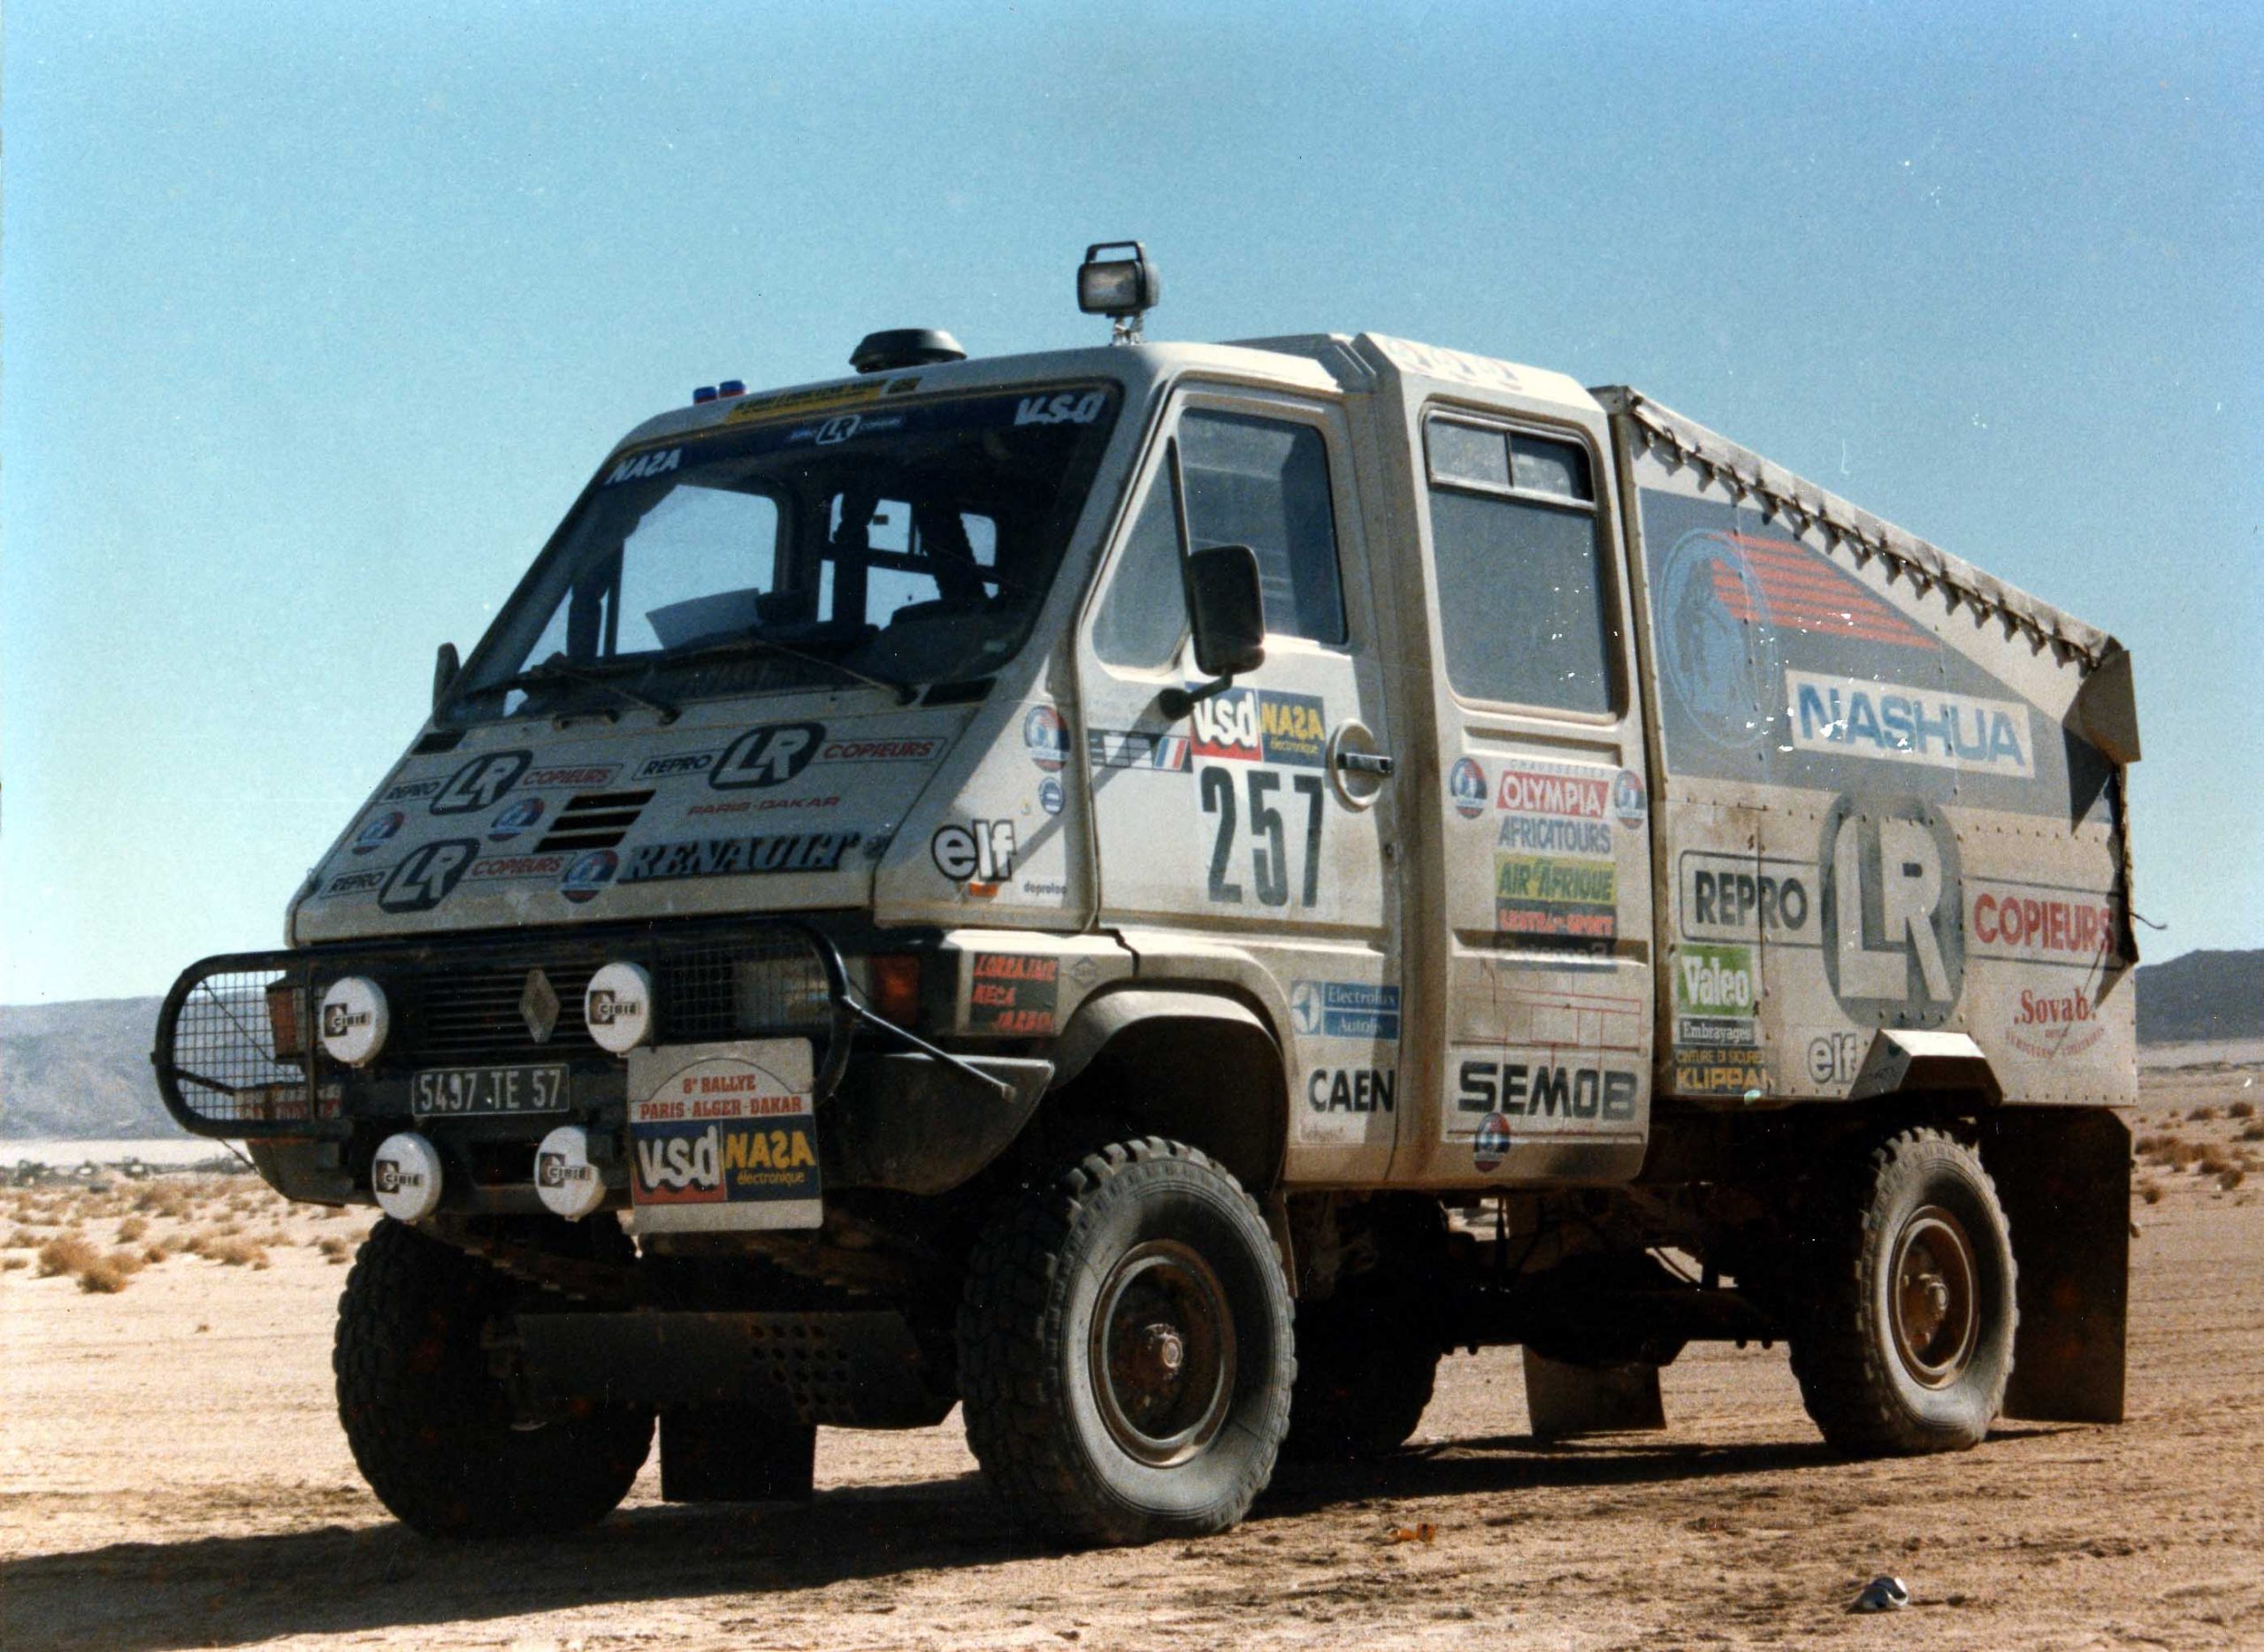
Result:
[1149,891]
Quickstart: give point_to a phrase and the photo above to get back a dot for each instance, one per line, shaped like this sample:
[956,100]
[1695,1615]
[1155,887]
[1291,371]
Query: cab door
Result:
[1537,909]
[1258,828]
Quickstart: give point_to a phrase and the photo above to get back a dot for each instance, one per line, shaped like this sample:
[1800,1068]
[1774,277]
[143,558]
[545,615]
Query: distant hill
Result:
[81,1070]
[2202,995]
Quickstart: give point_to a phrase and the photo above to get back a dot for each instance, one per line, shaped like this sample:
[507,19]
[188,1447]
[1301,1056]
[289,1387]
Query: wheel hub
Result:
[1161,1354]
[1934,1298]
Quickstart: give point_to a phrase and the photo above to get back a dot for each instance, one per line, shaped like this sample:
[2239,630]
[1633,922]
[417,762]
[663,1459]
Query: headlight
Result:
[617,1007]
[354,1020]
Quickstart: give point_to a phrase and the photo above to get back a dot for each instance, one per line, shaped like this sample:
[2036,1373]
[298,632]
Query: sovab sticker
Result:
[1014,992]
[587,878]
[516,819]
[722,1137]
[1629,801]
[1492,1145]
[1466,787]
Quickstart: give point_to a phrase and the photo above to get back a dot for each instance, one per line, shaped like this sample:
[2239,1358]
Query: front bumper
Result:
[891,1111]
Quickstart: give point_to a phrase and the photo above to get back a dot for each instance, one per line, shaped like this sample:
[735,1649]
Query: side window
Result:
[1143,615]
[1263,483]
[1523,598]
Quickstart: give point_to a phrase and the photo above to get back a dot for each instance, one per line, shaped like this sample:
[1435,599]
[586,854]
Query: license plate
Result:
[460,1091]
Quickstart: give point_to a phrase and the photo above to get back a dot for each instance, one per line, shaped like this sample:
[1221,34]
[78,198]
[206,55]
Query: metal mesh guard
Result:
[223,1052]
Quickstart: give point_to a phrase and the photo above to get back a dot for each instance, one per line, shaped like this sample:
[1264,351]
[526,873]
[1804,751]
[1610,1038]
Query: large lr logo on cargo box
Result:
[1893,911]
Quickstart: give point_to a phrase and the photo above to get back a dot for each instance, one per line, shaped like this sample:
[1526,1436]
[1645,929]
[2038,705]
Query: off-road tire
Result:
[1367,1360]
[1859,1388]
[430,1425]
[1026,1334]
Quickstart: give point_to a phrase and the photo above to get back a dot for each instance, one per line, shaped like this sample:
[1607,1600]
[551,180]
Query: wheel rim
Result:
[1162,1353]
[1934,1298]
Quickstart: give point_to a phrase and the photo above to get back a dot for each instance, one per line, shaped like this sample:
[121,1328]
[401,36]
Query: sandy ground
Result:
[171,1475]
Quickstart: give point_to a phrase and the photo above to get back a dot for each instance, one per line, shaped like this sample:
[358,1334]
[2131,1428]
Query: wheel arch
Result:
[1197,1065]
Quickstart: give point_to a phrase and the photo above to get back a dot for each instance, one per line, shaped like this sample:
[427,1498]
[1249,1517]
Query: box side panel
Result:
[1875,808]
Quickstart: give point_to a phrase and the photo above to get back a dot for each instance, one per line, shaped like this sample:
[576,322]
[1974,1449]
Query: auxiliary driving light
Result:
[565,1181]
[354,1020]
[406,1177]
[617,1007]
[1120,288]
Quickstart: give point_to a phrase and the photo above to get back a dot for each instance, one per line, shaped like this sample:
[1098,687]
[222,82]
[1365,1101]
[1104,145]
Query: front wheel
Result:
[435,1431]
[1125,1352]
[1905,1343]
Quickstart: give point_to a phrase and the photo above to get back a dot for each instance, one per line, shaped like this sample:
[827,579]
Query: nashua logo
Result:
[1892,913]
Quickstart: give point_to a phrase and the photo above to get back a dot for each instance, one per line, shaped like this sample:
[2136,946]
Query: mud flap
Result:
[1564,1400]
[734,1454]
[2064,1177]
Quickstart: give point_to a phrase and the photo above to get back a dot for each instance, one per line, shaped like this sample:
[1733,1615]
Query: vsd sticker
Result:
[722,1137]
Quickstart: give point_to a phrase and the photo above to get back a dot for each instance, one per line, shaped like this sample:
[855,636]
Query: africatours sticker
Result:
[1850,716]
[1547,834]
[1466,788]
[1254,725]
[1014,992]
[379,830]
[739,857]
[1345,1009]
[1554,902]
[2050,1025]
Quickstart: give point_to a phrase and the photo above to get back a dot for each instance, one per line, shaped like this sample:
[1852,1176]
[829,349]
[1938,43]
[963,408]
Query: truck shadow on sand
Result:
[335,1579]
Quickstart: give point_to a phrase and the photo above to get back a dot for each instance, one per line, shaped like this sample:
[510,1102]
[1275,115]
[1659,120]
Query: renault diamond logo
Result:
[538,1007]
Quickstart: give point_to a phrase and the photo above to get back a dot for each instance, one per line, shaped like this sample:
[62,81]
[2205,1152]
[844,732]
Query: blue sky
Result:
[316,316]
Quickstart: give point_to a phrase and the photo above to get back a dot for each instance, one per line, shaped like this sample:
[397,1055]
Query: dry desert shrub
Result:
[67,1253]
[2231,1177]
[132,1228]
[165,1199]
[23,1239]
[10,1264]
[2212,1161]
[335,1251]
[2200,1115]
[155,1253]
[102,1276]
[2241,1110]
[2253,1132]
[232,1252]
[2150,1191]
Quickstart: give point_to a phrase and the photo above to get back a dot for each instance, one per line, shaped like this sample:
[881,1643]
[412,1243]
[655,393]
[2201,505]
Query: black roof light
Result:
[1123,289]
[905,347]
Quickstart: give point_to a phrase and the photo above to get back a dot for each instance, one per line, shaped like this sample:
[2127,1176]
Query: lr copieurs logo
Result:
[1893,909]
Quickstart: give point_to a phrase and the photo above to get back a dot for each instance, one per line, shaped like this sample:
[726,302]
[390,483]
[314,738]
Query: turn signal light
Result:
[895,986]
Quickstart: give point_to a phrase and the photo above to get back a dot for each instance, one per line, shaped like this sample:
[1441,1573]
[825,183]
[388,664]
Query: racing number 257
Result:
[1269,857]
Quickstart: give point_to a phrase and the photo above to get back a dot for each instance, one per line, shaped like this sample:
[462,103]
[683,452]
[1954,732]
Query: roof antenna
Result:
[1123,289]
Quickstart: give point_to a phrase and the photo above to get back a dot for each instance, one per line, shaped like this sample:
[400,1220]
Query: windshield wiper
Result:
[754,643]
[559,671]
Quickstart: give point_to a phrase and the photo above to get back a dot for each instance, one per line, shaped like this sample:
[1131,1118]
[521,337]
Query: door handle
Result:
[1378,763]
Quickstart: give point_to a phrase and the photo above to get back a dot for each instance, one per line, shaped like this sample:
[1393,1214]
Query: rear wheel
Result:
[435,1431]
[1906,1337]
[1367,1360]
[1125,1351]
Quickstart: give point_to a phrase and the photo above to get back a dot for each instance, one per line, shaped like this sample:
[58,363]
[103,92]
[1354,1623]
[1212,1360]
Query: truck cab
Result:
[1152,890]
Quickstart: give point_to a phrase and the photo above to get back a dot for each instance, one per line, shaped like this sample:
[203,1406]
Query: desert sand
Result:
[172,1475]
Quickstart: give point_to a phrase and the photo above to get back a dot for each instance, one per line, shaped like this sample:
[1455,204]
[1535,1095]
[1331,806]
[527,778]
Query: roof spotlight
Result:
[1123,289]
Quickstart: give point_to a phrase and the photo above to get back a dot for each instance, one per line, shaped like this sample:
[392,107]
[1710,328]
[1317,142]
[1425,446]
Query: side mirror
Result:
[445,667]
[1226,607]
[1225,611]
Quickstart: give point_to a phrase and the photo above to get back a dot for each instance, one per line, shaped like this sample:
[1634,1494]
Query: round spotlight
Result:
[406,1177]
[354,1020]
[617,1007]
[565,1181]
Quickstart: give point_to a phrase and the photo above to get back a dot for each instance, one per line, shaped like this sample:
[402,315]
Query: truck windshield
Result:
[903,543]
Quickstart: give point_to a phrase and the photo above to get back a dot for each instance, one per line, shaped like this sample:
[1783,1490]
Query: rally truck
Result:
[1148,892]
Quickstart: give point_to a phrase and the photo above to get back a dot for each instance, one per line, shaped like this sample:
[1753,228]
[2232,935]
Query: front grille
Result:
[760,986]
[472,1015]
[223,1052]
